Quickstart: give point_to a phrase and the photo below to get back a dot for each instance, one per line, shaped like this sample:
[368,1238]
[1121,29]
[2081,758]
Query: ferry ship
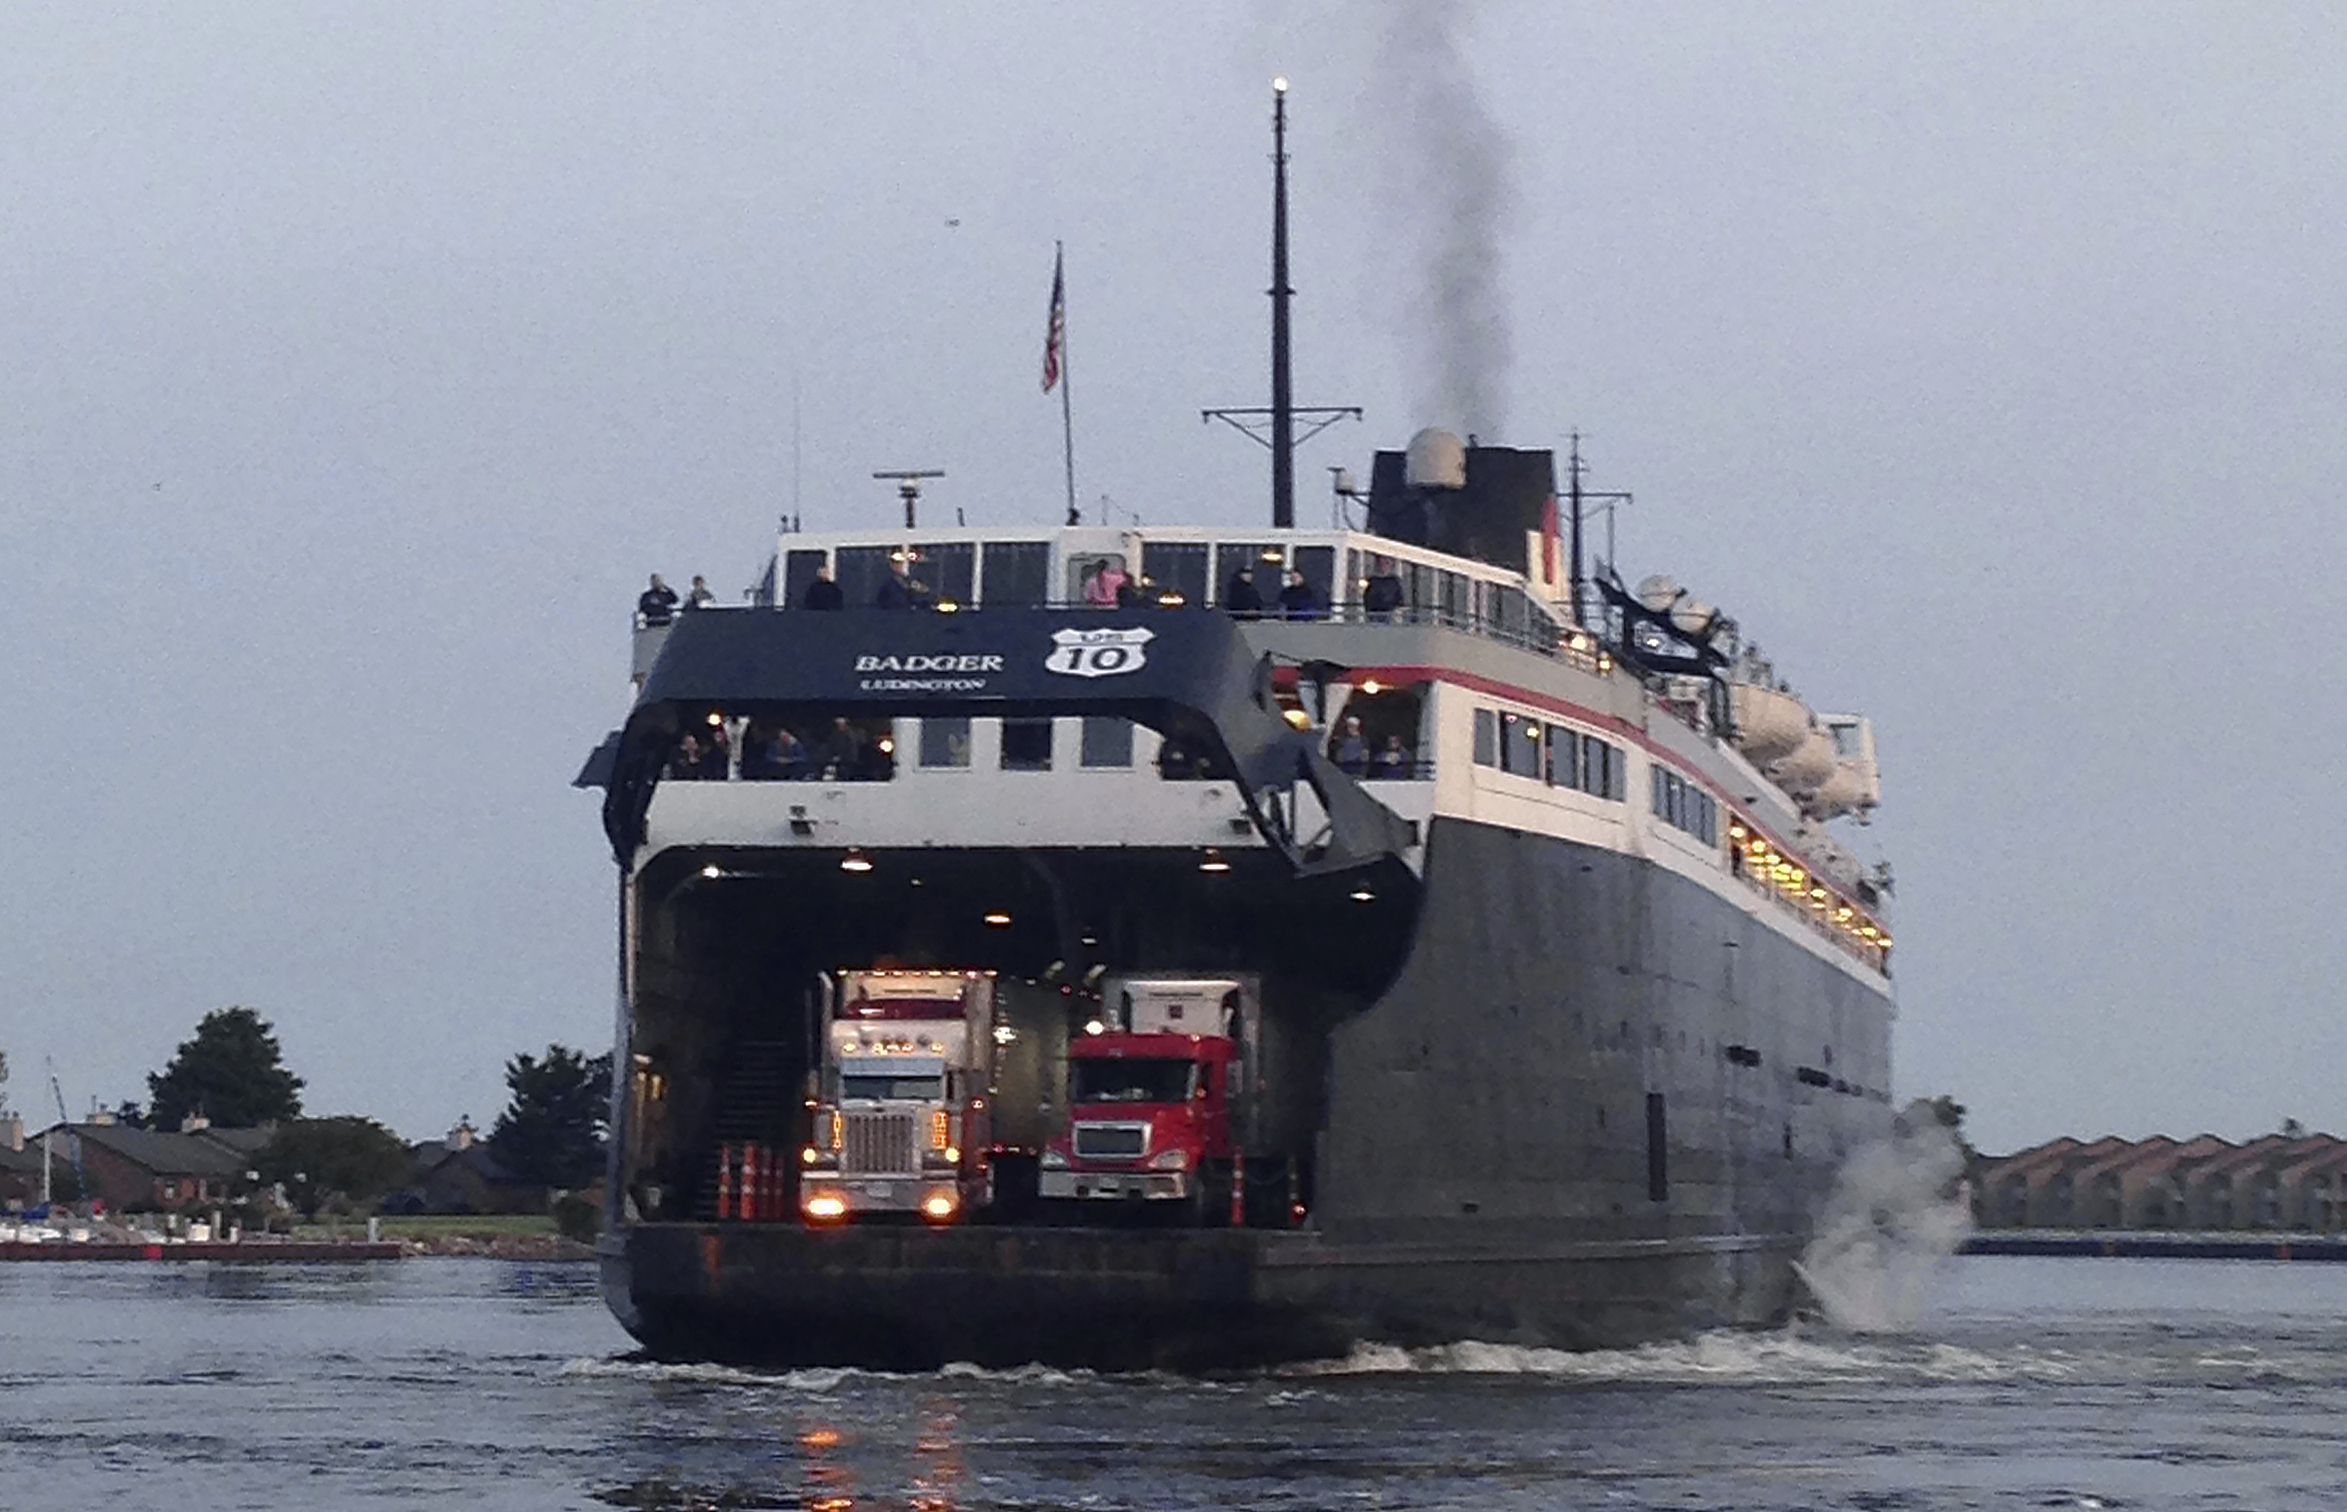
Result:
[1578,1004]
[1182,946]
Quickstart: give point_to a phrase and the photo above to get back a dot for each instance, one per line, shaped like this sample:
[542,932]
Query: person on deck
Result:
[1297,601]
[896,590]
[1102,584]
[656,605]
[700,597]
[1348,750]
[1242,601]
[822,593]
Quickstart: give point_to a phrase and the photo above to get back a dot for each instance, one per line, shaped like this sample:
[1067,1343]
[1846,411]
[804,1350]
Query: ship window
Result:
[1519,745]
[945,741]
[1602,774]
[1018,573]
[1178,565]
[948,571]
[798,570]
[1108,741]
[1026,745]
[1654,797]
[1262,562]
[1486,738]
[860,572]
[1563,754]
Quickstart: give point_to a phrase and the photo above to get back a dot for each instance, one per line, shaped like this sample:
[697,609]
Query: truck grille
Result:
[1113,1141]
[878,1144]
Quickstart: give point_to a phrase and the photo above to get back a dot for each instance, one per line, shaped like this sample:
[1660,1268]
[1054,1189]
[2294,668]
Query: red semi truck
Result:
[1166,1113]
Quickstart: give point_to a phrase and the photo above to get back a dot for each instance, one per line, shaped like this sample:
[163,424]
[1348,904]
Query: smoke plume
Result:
[1895,1213]
[1454,197]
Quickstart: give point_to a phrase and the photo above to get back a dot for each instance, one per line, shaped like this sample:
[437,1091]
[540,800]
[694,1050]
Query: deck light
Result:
[938,1206]
[1213,862]
[1094,1026]
[716,718]
[827,1207]
[855,860]
[1372,687]
[1363,895]
[997,919]
[712,871]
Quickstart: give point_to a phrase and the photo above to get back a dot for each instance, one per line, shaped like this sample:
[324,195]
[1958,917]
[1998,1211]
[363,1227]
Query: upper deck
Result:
[1506,710]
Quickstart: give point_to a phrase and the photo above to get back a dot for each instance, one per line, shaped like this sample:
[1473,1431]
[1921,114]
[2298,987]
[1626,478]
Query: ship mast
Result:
[1283,408]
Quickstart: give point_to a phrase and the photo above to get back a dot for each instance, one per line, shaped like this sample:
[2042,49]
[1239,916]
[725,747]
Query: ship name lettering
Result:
[928,664]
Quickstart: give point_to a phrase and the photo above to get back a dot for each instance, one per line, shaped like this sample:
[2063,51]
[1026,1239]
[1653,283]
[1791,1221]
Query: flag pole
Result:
[1067,420]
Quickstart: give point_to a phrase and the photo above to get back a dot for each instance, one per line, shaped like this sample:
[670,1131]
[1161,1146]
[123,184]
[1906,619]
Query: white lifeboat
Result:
[1845,791]
[1769,725]
[1807,766]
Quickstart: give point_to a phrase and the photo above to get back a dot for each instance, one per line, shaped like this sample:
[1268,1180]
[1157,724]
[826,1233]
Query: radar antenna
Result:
[908,486]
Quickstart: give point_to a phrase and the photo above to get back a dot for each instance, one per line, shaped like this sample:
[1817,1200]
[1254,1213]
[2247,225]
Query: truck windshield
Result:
[892,1088]
[1129,1081]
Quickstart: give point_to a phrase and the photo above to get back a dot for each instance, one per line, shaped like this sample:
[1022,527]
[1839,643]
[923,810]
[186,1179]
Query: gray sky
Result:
[1984,362]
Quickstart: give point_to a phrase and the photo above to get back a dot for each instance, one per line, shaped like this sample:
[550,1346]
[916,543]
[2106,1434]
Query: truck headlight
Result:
[1055,1160]
[1168,1160]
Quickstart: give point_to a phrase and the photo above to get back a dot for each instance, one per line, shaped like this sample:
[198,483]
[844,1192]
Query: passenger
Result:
[685,765]
[1392,759]
[1297,601]
[717,756]
[822,593]
[700,597]
[1348,750]
[656,605]
[787,756]
[1242,600]
[840,757]
[1382,596]
[1103,584]
[1130,593]
[896,590]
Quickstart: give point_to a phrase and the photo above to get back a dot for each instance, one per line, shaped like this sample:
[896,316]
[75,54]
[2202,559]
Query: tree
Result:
[231,1072]
[326,1160]
[552,1131]
[131,1116]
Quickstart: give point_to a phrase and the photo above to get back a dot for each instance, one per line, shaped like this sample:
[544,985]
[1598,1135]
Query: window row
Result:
[1561,756]
[1682,805]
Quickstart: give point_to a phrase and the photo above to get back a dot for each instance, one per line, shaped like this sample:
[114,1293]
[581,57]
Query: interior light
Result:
[855,861]
[1363,895]
[938,1206]
[887,744]
[1299,719]
[825,1206]
[1372,687]
[1094,1026]
[712,871]
[1212,861]
[716,718]
[948,606]
[997,919]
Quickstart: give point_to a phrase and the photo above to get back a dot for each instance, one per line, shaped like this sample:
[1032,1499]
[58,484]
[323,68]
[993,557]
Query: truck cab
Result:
[900,1102]
[1158,1103]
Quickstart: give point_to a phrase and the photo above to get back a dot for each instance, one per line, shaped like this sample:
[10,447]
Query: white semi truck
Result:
[900,1109]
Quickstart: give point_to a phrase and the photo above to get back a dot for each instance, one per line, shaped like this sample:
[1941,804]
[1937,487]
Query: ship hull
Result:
[1598,1104]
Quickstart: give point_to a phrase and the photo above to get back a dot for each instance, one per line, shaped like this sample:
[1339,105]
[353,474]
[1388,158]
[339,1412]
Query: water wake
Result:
[1893,1217]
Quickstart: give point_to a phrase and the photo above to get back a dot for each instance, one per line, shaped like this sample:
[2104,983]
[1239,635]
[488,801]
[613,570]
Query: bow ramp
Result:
[1188,675]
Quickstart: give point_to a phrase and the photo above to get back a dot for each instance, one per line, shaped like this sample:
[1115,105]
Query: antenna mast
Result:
[1283,399]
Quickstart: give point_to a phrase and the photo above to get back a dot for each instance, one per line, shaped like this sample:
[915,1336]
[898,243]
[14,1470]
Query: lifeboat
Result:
[1769,725]
[1805,769]
[1844,791]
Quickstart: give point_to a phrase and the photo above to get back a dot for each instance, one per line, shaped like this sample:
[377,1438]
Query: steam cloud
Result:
[1893,1216]
[1456,197]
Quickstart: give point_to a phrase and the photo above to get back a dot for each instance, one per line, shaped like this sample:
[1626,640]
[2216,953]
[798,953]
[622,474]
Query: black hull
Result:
[1598,1105]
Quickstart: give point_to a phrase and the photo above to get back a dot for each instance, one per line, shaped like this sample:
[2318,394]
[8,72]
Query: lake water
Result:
[485,1385]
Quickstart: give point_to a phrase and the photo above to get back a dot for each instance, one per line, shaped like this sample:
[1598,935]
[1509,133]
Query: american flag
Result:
[1056,337]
